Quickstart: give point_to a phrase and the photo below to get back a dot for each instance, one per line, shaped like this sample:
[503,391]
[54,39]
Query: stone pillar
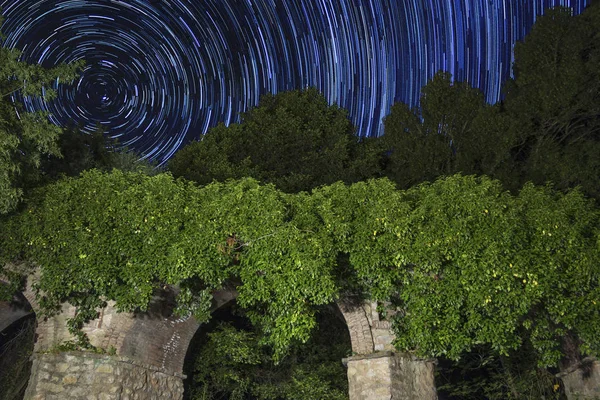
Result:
[386,375]
[376,371]
[583,382]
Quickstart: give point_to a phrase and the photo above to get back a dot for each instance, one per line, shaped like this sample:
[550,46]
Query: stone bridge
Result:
[144,354]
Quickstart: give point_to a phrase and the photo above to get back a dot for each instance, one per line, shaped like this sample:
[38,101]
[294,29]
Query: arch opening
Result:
[319,360]
[17,337]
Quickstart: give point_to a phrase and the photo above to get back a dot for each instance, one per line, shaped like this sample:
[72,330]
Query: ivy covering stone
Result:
[463,260]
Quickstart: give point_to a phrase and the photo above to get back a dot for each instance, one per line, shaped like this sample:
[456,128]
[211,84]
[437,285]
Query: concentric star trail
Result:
[160,73]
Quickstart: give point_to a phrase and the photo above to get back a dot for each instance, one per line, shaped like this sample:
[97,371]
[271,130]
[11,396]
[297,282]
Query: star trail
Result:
[162,72]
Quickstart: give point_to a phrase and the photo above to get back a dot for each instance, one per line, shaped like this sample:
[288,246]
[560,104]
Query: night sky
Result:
[161,72]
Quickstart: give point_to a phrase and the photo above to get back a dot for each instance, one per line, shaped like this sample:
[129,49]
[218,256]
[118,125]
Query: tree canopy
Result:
[294,140]
[545,129]
[555,100]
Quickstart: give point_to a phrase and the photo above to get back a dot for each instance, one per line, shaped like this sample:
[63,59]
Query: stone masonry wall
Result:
[583,383]
[79,376]
[412,378]
[370,377]
[386,375]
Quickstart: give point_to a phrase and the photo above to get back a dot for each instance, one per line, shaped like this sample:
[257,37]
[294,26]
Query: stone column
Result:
[583,381]
[377,371]
[386,375]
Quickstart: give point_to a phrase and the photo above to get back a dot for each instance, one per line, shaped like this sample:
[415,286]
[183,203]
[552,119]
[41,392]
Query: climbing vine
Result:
[464,262]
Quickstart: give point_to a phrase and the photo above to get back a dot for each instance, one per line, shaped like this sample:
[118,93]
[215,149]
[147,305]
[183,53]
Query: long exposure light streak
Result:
[160,73]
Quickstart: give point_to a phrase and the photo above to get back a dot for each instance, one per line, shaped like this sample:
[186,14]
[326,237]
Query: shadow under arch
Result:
[331,332]
[12,311]
[17,336]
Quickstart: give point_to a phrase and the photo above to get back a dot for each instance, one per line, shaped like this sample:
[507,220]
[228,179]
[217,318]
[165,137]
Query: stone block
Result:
[105,368]
[69,379]
[106,378]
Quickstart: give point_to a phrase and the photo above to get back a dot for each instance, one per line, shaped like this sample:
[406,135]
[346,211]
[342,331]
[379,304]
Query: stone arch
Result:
[144,352]
[358,326]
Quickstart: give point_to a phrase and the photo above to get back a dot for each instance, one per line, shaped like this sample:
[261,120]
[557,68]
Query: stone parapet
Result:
[81,375]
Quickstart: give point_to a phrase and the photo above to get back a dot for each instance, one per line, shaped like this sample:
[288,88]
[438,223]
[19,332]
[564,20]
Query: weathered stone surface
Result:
[368,332]
[390,376]
[376,372]
[583,383]
[99,377]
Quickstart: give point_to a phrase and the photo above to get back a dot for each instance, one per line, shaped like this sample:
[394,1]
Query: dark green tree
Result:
[554,100]
[78,152]
[452,130]
[25,137]
[294,140]
[81,151]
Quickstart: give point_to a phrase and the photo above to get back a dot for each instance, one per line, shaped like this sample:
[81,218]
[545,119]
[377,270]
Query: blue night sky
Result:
[162,72]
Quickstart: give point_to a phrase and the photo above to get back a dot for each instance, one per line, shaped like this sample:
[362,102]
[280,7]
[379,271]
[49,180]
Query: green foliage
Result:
[233,364]
[465,262]
[468,263]
[481,374]
[25,137]
[294,140]
[120,236]
[486,264]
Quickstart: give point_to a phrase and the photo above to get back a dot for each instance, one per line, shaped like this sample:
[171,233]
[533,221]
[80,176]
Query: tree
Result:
[452,131]
[546,129]
[25,137]
[81,151]
[293,139]
[554,100]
